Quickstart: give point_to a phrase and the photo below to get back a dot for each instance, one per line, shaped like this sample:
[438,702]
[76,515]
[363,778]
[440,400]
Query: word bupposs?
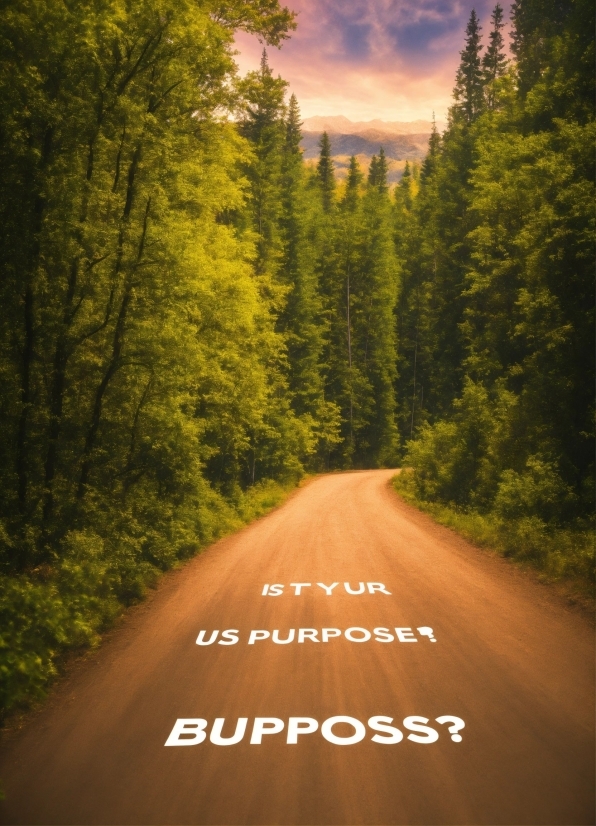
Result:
[371,588]
[190,731]
[231,636]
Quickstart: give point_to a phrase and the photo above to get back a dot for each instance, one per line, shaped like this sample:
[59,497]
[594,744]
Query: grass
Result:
[559,554]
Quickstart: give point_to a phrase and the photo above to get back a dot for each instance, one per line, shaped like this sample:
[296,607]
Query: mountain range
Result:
[342,125]
[401,140]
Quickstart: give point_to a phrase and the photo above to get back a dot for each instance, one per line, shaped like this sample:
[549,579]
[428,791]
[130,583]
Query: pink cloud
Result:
[389,59]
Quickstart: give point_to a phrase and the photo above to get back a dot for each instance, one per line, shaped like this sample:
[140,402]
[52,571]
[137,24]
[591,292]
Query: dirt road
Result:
[507,658]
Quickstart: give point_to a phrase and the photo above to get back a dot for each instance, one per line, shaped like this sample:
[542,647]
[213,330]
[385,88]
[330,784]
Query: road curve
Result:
[509,660]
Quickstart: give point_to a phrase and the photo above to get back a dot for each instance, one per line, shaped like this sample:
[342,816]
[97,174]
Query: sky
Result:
[365,59]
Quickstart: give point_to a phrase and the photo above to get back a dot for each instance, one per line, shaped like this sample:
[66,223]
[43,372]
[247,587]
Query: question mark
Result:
[426,632]
[456,725]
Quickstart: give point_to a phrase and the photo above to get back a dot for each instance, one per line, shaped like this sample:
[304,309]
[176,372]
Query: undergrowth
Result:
[560,553]
[46,611]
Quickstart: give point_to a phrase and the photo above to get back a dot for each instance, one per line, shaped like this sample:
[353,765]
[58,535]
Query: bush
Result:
[53,608]
[559,552]
[539,491]
[36,624]
[447,457]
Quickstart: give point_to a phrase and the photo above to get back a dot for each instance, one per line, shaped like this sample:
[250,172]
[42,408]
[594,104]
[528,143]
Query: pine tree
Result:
[494,62]
[263,125]
[469,82]
[360,285]
[382,171]
[293,129]
[429,163]
[353,184]
[404,189]
[535,24]
[325,171]
[302,320]
[373,171]
[498,296]
[375,290]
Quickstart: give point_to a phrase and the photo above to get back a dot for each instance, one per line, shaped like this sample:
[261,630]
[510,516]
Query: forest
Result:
[192,320]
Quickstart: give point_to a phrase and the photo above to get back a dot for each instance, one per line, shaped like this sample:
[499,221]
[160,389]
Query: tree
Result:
[325,171]
[469,83]
[429,163]
[373,171]
[494,62]
[381,172]
[353,185]
[263,125]
[404,189]
[302,321]
[361,292]
[376,293]
[504,220]
[119,173]
[535,24]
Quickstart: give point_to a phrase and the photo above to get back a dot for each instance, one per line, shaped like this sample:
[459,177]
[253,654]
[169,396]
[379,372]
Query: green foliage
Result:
[139,359]
[377,172]
[559,553]
[537,491]
[359,279]
[468,91]
[496,314]
[263,126]
[494,62]
[53,609]
[66,606]
[325,172]
[447,455]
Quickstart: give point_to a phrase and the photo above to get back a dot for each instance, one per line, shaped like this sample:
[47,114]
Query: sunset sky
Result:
[365,59]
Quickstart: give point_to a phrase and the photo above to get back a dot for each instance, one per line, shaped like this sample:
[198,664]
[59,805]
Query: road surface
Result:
[508,659]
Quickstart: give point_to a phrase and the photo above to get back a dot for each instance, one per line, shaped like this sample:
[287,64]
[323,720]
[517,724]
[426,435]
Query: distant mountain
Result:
[338,123]
[401,141]
[398,147]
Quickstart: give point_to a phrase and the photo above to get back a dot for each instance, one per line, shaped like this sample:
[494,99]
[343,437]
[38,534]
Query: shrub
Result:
[53,608]
[539,491]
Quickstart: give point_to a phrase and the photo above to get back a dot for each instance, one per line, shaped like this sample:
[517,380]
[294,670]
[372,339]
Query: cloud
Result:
[392,59]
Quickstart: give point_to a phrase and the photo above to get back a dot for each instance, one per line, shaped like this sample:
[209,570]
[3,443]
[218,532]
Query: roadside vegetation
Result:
[66,606]
[559,553]
[496,312]
[192,319]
